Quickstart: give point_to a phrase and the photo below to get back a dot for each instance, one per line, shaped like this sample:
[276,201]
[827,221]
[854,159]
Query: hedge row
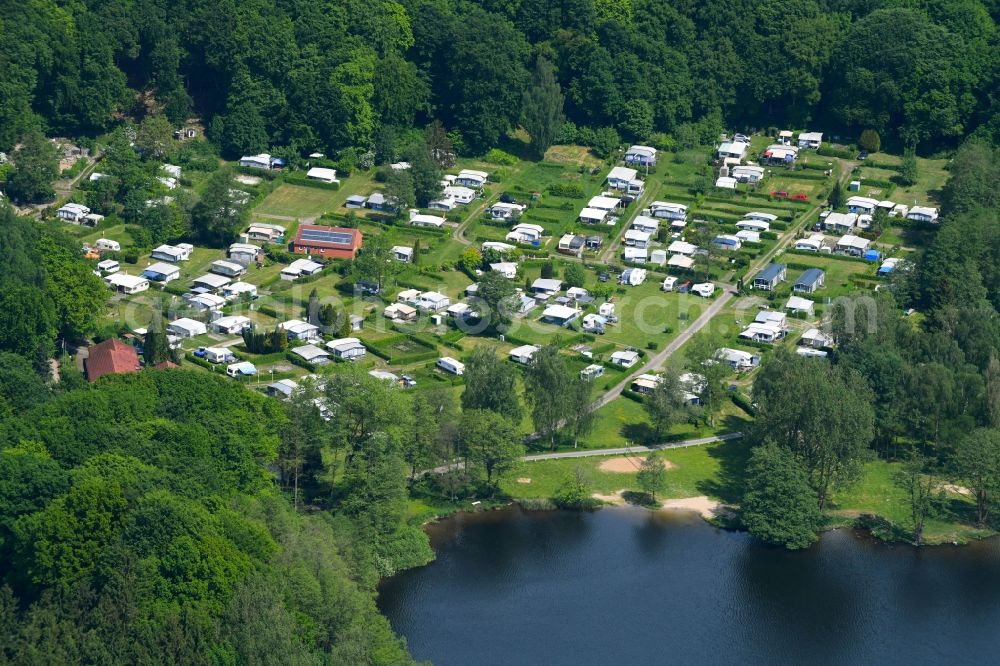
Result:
[881,165]
[295,359]
[265,174]
[799,175]
[877,182]
[836,257]
[382,349]
[632,395]
[299,178]
[843,153]
[743,402]
[197,360]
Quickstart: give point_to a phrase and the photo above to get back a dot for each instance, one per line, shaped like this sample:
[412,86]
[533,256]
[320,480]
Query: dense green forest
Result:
[48,294]
[355,75]
[140,524]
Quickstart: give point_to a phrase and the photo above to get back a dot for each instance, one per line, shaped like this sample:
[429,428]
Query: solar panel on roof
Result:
[323,236]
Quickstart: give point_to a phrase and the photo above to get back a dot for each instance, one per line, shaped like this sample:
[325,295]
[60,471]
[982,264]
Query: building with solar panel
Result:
[328,242]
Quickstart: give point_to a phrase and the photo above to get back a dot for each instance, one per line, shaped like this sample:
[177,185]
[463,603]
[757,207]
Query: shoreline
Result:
[715,513]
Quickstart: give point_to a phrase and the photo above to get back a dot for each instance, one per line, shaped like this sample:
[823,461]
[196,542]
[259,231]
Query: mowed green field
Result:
[711,470]
[298,201]
[931,175]
[839,272]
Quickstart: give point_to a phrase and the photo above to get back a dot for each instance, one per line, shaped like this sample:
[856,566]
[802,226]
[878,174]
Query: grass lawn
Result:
[876,493]
[298,201]
[624,422]
[905,235]
[839,273]
[931,175]
[117,232]
[716,470]
[712,470]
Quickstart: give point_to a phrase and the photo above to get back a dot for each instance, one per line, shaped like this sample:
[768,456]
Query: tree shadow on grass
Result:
[638,433]
[959,510]
[727,485]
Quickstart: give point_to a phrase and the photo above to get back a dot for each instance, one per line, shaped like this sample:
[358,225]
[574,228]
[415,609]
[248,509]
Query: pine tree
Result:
[279,340]
[328,315]
[909,171]
[542,108]
[155,346]
[312,309]
[836,198]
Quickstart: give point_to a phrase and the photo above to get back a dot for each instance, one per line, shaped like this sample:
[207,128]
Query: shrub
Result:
[830,151]
[567,190]
[870,141]
[501,157]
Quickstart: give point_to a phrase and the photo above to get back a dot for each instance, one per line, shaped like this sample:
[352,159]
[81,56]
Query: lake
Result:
[628,586]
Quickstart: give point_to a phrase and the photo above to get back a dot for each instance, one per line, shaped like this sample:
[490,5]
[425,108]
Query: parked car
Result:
[863,155]
[603,277]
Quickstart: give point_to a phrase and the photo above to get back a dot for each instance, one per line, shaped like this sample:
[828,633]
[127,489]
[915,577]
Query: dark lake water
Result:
[626,586]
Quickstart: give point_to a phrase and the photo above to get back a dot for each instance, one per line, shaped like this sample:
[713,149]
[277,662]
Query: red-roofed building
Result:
[328,242]
[110,357]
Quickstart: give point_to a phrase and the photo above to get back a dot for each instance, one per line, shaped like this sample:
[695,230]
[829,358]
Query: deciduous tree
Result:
[495,293]
[548,384]
[374,261]
[821,413]
[492,444]
[915,479]
[36,166]
[977,465]
[491,384]
[665,405]
[779,506]
[652,475]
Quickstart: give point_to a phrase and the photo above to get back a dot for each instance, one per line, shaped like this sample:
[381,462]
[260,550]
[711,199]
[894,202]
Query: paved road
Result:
[620,451]
[659,358]
[589,453]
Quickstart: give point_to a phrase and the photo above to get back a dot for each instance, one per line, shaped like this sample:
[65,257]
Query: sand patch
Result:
[957,490]
[627,465]
[707,508]
[613,498]
[524,479]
